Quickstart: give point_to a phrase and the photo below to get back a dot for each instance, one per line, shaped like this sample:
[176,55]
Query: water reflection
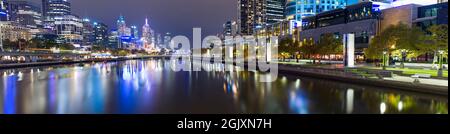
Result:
[150,86]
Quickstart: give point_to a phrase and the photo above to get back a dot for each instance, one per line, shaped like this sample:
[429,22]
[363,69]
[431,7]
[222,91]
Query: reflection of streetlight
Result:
[441,60]
[403,58]
[384,59]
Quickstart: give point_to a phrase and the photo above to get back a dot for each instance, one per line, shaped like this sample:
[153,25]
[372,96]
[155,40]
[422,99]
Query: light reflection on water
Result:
[150,86]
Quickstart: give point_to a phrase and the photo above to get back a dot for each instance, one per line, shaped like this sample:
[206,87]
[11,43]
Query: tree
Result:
[438,44]
[285,48]
[67,46]
[400,37]
[309,48]
[330,44]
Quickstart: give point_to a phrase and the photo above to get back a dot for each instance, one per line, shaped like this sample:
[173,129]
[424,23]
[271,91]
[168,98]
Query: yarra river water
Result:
[151,87]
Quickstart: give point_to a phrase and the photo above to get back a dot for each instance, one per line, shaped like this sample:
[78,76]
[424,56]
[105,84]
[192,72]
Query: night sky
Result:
[174,16]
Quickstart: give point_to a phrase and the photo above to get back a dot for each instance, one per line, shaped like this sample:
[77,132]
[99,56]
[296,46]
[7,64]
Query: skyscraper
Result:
[69,29]
[26,14]
[275,11]
[298,9]
[251,15]
[3,10]
[230,28]
[255,14]
[101,34]
[167,39]
[146,35]
[52,8]
[88,32]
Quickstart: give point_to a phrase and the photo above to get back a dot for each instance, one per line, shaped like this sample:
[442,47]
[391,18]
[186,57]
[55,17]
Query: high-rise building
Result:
[298,9]
[256,14]
[251,15]
[88,32]
[124,33]
[148,36]
[159,40]
[134,32]
[275,11]
[52,8]
[3,10]
[113,39]
[26,14]
[230,28]
[69,29]
[167,39]
[101,34]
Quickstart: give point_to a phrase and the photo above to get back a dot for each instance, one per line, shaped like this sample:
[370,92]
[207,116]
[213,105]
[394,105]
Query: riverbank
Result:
[35,64]
[335,74]
[349,77]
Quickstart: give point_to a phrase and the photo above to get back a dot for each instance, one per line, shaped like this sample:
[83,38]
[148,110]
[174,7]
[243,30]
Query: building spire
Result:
[146,21]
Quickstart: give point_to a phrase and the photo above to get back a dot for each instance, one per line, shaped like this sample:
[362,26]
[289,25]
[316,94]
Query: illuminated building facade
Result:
[432,15]
[52,8]
[298,9]
[147,35]
[230,28]
[256,14]
[101,34]
[360,19]
[25,14]
[124,33]
[88,33]
[69,29]
[167,39]
[13,31]
[113,39]
[3,10]
[251,15]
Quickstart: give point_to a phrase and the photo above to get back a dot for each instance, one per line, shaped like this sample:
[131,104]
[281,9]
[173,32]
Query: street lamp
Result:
[384,59]
[403,58]
[441,60]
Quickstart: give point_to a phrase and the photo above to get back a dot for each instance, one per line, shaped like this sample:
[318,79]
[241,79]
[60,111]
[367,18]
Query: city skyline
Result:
[161,18]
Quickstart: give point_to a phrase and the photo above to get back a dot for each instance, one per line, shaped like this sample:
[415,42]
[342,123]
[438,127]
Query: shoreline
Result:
[284,69]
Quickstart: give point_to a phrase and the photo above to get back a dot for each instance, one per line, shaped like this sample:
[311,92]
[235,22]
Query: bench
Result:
[421,76]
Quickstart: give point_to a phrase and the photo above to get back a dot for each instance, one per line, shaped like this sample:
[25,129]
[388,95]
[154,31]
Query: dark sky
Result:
[175,16]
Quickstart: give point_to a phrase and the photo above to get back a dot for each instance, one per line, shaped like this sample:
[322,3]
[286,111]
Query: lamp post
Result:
[403,58]
[441,60]
[384,60]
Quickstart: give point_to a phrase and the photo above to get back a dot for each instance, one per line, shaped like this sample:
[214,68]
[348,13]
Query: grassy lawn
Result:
[408,71]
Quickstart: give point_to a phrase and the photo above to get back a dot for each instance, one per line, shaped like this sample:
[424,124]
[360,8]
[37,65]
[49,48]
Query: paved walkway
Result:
[428,81]
[437,82]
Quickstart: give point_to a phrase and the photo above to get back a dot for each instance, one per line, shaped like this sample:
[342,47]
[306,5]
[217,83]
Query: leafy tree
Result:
[285,48]
[309,48]
[396,38]
[437,41]
[330,44]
